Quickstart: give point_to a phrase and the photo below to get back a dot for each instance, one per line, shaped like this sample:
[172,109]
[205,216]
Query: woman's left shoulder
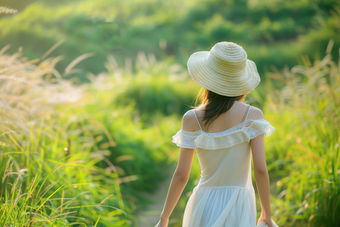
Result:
[189,122]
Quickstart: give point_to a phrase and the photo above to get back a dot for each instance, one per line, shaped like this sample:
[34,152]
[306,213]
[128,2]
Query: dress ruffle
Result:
[243,132]
[185,139]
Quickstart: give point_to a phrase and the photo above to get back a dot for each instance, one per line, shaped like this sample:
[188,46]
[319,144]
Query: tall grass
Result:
[82,154]
[304,155]
[50,160]
[103,130]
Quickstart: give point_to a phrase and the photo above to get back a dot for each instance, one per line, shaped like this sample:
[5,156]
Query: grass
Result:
[52,122]
[303,155]
[81,154]
[50,159]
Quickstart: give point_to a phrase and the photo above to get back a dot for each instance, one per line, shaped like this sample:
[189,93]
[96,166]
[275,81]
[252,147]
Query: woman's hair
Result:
[215,104]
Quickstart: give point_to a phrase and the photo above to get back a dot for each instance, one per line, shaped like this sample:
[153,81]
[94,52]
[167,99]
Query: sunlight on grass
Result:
[49,154]
[83,154]
[304,154]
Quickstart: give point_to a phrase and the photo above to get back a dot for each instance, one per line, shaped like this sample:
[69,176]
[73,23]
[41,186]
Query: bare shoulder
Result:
[255,113]
[189,122]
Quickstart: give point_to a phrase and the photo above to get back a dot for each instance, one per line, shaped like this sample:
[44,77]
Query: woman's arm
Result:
[261,173]
[182,172]
[178,182]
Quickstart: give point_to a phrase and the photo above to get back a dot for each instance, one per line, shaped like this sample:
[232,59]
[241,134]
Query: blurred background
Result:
[92,92]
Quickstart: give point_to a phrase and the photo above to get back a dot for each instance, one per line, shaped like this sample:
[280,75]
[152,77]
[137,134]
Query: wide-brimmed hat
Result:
[224,70]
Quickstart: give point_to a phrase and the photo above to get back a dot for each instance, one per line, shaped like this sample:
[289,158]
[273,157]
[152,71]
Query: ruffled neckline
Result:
[242,132]
[224,132]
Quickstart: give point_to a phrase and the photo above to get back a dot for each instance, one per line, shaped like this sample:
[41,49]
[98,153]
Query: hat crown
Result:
[228,58]
[224,70]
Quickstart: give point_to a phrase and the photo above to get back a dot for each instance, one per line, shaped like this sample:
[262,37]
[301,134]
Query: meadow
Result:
[82,141]
[77,155]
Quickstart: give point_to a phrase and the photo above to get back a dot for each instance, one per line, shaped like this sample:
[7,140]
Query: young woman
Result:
[225,133]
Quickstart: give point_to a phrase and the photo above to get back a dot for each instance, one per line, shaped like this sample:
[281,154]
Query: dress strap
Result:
[245,116]
[248,111]
[197,120]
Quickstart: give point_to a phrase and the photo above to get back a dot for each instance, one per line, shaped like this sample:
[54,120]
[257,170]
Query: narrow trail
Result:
[150,216]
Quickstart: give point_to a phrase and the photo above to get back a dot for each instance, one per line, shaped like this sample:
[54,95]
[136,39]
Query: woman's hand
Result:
[162,223]
[266,219]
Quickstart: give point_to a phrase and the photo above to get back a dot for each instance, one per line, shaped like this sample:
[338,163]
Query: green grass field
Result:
[82,155]
[92,91]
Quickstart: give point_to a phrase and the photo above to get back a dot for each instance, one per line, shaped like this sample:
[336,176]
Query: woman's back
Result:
[234,116]
[224,195]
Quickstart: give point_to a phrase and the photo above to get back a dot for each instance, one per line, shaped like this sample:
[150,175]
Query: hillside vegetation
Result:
[268,30]
[83,154]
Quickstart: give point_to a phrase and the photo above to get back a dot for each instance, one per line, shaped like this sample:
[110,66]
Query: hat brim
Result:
[204,75]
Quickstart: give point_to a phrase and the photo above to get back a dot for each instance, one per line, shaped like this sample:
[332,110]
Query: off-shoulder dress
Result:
[225,194]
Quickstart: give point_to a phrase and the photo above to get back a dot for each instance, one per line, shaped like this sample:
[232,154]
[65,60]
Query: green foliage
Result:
[141,112]
[272,32]
[93,149]
[305,147]
[49,187]
[88,143]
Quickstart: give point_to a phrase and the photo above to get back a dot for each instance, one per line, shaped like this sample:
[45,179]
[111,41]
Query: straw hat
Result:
[224,70]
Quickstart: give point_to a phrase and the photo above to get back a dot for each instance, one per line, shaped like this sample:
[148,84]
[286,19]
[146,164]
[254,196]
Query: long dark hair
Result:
[215,104]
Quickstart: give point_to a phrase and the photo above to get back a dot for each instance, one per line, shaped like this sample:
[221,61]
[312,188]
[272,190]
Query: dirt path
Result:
[150,216]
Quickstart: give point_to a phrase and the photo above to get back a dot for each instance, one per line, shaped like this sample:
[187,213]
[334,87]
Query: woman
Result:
[226,133]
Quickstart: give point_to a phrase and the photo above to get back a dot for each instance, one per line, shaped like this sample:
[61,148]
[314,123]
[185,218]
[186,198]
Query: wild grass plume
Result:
[7,10]
[49,174]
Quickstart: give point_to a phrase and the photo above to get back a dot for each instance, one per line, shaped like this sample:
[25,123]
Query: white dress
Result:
[225,194]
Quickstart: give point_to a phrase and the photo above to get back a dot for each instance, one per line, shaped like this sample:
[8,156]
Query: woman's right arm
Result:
[261,173]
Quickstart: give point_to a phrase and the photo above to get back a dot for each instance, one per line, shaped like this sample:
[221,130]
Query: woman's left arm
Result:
[178,182]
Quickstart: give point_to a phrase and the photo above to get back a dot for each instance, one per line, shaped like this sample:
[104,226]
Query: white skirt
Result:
[221,206]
